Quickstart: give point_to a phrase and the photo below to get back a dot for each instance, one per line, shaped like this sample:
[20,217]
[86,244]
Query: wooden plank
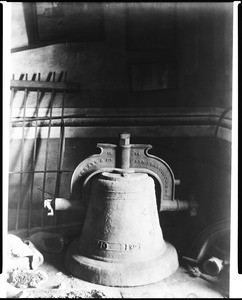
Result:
[145,116]
[127,121]
[44,85]
[126,112]
[137,131]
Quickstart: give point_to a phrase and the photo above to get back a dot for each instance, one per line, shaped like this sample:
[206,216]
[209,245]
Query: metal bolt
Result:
[124,139]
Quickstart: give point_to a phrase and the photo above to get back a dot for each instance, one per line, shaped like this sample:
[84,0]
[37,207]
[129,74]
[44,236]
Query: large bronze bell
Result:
[121,243]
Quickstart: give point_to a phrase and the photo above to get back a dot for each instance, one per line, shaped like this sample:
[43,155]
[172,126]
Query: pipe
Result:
[61,204]
[190,260]
[213,266]
[178,205]
[65,204]
[166,205]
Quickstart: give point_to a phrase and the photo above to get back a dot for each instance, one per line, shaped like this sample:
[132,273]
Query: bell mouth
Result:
[121,274]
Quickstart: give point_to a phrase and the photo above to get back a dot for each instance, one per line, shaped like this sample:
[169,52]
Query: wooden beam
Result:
[125,112]
[144,116]
[44,85]
[135,131]
[138,121]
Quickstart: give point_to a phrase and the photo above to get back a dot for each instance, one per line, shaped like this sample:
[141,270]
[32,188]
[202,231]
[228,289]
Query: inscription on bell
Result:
[133,246]
[102,245]
[137,153]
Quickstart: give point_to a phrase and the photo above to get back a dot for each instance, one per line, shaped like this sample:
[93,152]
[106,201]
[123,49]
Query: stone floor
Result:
[61,284]
[181,284]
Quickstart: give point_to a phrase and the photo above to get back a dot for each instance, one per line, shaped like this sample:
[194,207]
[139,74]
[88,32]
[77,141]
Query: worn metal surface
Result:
[125,156]
[121,242]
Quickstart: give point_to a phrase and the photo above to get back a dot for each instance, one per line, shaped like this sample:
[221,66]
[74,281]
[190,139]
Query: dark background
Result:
[194,44]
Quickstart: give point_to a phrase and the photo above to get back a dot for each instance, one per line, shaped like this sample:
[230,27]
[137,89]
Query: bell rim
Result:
[118,274]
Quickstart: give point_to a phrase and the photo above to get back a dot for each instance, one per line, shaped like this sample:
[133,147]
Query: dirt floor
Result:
[61,284]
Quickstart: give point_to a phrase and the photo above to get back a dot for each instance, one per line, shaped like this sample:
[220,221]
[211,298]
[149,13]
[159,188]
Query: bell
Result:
[121,242]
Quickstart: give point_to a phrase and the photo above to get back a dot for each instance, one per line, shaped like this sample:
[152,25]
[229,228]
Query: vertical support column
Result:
[33,162]
[47,148]
[61,150]
[22,156]
[13,91]
[124,144]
